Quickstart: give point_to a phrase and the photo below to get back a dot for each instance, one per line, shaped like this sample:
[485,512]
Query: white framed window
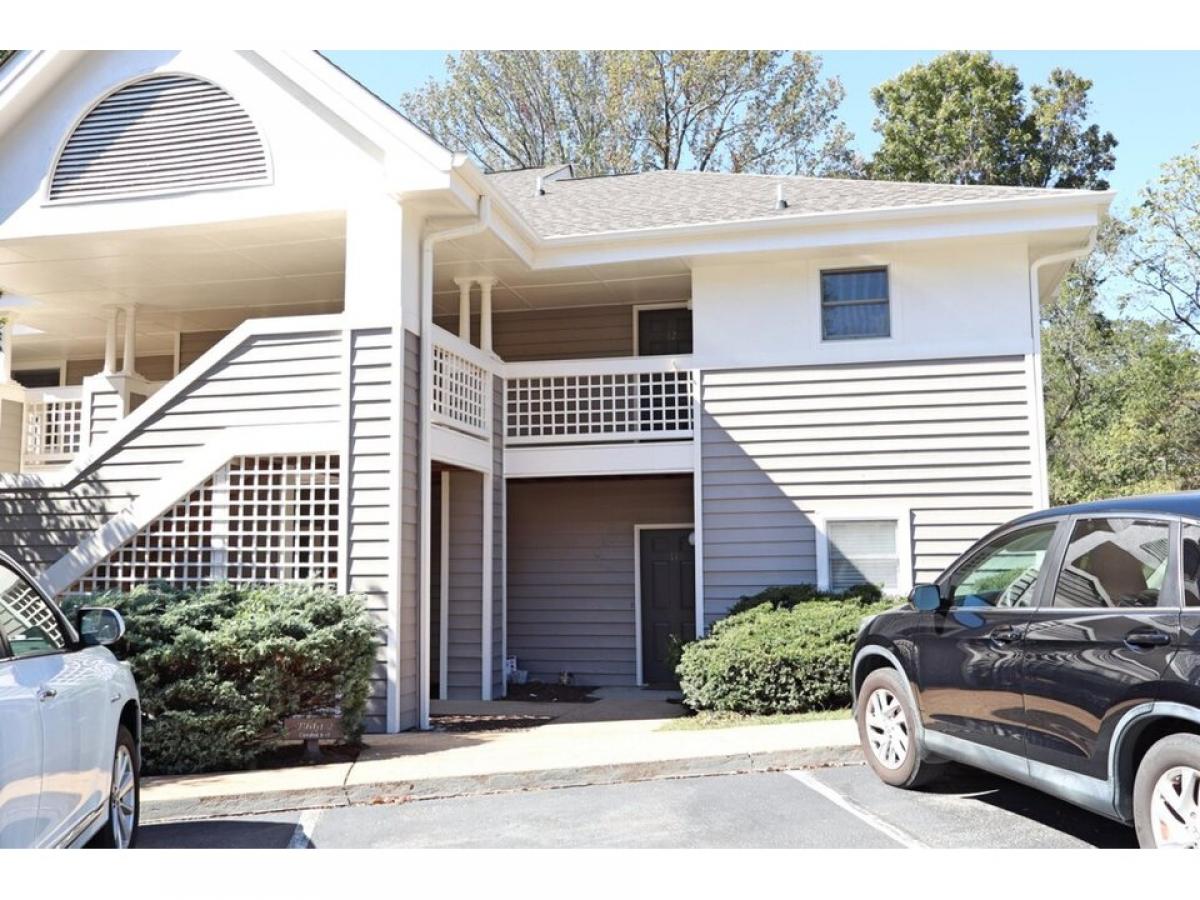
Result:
[855,303]
[864,550]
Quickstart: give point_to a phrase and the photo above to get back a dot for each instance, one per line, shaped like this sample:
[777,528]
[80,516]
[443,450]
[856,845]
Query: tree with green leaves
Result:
[964,118]
[1122,396]
[625,110]
[1163,256]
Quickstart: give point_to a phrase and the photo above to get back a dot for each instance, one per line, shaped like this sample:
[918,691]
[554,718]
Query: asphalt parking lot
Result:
[827,808]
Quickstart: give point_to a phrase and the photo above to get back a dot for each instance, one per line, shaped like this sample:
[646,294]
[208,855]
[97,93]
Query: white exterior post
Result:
[130,358]
[110,342]
[485,314]
[374,296]
[464,308]
[6,346]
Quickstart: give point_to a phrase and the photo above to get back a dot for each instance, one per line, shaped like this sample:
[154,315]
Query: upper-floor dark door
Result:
[668,596]
[1099,643]
[664,332]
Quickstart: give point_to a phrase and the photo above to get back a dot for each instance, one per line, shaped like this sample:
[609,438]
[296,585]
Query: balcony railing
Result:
[588,401]
[53,432]
[462,386]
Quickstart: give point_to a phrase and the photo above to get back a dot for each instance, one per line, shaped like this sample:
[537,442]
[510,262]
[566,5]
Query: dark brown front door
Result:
[668,563]
[665,332]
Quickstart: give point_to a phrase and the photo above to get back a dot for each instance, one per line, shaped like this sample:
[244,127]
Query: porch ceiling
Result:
[193,278]
[519,287]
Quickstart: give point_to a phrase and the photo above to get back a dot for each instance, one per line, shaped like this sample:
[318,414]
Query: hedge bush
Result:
[220,668]
[788,652]
[788,595]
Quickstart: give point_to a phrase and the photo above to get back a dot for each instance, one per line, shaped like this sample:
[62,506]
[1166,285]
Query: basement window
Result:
[855,304]
[862,551]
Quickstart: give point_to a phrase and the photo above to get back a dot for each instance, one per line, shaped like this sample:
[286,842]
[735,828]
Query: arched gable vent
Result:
[163,133]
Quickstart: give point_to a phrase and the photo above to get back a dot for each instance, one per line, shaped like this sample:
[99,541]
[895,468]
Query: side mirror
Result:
[99,626]
[926,597]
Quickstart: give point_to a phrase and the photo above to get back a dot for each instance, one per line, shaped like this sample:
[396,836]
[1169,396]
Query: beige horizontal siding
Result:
[950,440]
[584,332]
[570,594]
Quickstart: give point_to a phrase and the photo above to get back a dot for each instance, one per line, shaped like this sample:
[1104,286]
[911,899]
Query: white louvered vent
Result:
[162,133]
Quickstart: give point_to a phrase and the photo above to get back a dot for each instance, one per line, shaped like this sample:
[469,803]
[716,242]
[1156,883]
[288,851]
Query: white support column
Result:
[464,307]
[110,342]
[485,313]
[6,346]
[129,356]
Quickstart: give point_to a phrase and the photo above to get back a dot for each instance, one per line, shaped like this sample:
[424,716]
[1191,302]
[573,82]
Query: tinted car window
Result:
[1005,571]
[1113,562]
[1190,559]
[26,620]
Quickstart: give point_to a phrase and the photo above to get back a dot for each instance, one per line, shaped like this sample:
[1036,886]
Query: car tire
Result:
[1168,777]
[124,796]
[889,731]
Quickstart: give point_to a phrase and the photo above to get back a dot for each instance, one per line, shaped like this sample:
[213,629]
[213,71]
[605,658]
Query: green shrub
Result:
[781,658]
[219,669]
[788,595]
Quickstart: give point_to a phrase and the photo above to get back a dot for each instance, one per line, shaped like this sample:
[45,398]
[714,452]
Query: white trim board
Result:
[637,582]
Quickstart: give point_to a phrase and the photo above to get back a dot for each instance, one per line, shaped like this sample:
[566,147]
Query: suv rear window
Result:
[1114,562]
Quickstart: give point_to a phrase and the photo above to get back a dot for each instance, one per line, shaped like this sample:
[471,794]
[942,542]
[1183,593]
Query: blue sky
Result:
[1145,98]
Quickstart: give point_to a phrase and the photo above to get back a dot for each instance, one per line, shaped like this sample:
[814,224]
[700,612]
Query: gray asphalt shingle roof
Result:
[577,206]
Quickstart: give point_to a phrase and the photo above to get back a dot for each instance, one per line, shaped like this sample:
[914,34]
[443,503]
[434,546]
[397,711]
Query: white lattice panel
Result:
[460,391]
[612,407]
[53,430]
[258,520]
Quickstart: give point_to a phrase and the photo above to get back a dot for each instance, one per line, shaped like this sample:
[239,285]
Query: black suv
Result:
[1061,651]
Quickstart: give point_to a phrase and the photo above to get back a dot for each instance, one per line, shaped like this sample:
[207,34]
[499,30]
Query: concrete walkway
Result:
[532,745]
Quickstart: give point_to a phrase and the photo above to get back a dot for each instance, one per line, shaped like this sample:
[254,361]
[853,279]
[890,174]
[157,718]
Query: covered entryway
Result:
[574,575]
[667,597]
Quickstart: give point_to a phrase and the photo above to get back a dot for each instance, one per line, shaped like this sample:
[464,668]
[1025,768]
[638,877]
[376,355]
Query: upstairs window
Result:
[855,304]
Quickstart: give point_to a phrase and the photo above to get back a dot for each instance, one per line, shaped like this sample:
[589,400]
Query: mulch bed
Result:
[540,692]
[288,756]
[475,724]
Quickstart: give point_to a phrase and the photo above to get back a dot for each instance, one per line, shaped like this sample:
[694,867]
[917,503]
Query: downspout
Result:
[1042,486]
[425,457]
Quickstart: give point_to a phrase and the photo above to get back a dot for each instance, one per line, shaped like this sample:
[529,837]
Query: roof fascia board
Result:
[506,222]
[813,233]
[360,109]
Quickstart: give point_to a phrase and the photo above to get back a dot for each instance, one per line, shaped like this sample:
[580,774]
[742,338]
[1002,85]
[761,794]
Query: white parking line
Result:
[884,828]
[302,836]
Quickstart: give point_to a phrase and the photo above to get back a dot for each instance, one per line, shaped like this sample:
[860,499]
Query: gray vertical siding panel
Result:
[584,332]
[435,585]
[410,525]
[571,571]
[464,656]
[950,439]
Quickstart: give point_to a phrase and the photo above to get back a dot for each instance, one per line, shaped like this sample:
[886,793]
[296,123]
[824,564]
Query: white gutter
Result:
[1041,470]
[425,457]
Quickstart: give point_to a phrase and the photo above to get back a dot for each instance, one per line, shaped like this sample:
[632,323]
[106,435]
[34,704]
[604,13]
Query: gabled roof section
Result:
[570,206]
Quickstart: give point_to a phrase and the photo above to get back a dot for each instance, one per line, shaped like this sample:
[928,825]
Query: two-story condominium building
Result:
[261,328]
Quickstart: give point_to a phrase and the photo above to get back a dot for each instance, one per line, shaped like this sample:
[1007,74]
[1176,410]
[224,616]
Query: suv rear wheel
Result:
[1166,794]
[887,730]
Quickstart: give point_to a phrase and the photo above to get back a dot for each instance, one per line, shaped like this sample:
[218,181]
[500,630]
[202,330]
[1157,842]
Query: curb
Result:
[154,811]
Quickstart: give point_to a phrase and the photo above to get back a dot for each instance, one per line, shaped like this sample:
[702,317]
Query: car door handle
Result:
[1004,635]
[1145,638]
[46,693]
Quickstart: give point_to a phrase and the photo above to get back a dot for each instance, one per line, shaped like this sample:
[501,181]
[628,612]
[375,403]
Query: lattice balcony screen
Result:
[258,520]
[460,391]
[626,406]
